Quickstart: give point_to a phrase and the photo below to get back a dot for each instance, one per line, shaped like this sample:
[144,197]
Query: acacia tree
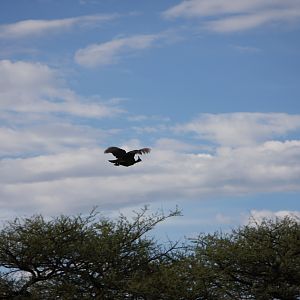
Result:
[79,257]
[96,258]
[257,261]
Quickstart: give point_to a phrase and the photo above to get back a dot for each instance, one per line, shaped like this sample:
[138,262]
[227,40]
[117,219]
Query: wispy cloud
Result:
[28,28]
[231,16]
[110,52]
[246,49]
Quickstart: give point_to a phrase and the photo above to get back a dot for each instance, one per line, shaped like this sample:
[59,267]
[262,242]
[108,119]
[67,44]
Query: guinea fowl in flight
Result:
[125,158]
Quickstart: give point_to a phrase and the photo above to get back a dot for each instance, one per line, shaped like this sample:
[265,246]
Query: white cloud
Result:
[35,88]
[195,8]
[27,28]
[39,114]
[174,145]
[78,162]
[240,23]
[234,129]
[26,79]
[68,172]
[110,52]
[259,215]
[76,180]
[46,137]
[230,16]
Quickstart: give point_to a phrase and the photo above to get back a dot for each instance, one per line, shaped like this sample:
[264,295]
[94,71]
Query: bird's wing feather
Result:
[117,152]
[140,151]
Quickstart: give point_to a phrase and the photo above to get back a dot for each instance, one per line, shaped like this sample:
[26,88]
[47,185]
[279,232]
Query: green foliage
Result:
[93,257]
[78,257]
[257,261]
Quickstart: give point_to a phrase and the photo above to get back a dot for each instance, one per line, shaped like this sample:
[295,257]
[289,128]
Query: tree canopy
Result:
[93,257]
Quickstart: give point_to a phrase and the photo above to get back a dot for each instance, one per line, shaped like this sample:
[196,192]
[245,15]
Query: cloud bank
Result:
[80,178]
[52,162]
[67,170]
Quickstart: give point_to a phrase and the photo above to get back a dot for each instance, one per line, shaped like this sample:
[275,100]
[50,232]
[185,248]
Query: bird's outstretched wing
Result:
[117,152]
[140,151]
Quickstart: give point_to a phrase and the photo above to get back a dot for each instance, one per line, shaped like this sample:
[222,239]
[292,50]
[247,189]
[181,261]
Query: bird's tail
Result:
[113,161]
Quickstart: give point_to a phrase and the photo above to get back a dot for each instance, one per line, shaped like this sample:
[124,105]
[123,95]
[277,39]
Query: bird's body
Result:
[124,158]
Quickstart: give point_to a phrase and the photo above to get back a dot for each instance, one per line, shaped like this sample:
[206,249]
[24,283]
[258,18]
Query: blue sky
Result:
[212,86]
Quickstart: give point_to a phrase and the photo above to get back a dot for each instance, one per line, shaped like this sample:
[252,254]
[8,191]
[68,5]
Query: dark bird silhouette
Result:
[125,158]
